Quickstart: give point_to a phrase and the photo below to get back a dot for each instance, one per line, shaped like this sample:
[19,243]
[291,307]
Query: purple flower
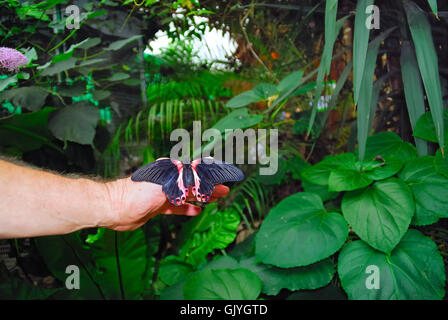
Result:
[11,60]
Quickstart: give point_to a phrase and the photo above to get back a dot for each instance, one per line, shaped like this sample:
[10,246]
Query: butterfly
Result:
[176,177]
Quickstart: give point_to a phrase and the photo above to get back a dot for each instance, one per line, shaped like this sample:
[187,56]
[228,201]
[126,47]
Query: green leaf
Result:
[238,119]
[243,99]
[131,249]
[330,292]
[413,271]
[321,191]
[212,229]
[290,82]
[176,291]
[27,131]
[4,83]
[389,144]
[360,45]
[75,123]
[101,94]
[430,190]
[348,176]
[31,98]
[313,233]
[320,173]
[89,43]
[413,90]
[385,168]
[265,90]
[51,69]
[274,279]
[441,164]
[332,28]
[117,45]
[425,128]
[68,53]
[173,270]
[428,64]
[118,76]
[223,284]
[30,55]
[380,214]
[433,5]
[58,252]
[366,93]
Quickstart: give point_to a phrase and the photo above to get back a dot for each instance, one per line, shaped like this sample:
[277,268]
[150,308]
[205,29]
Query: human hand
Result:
[134,203]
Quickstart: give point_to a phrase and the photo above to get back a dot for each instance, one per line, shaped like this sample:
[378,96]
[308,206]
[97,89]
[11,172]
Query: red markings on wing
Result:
[180,184]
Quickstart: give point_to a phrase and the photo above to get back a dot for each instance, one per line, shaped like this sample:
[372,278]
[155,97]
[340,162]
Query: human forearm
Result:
[35,203]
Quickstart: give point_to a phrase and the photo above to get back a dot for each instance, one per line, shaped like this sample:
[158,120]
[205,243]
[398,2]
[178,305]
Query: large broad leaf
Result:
[120,261]
[360,44]
[430,190]
[27,131]
[173,270]
[176,292]
[31,98]
[238,119]
[75,123]
[428,63]
[389,144]
[414,270]
[348,176]
[382,168]
[274,279]
[300,222]
[413,90]
[321,191]
[223,284]
[59,252]
[211,230]
[380,214]
[320,173]
[425,128]
[441,164]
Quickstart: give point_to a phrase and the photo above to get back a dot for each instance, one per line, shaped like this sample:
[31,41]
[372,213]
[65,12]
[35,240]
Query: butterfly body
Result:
[177,178]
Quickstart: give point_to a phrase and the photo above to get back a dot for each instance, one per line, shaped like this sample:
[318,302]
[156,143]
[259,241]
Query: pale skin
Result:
[38,203]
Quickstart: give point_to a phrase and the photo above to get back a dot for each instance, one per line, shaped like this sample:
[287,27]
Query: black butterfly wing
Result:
[167,173]
[211,172]
[158,172]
